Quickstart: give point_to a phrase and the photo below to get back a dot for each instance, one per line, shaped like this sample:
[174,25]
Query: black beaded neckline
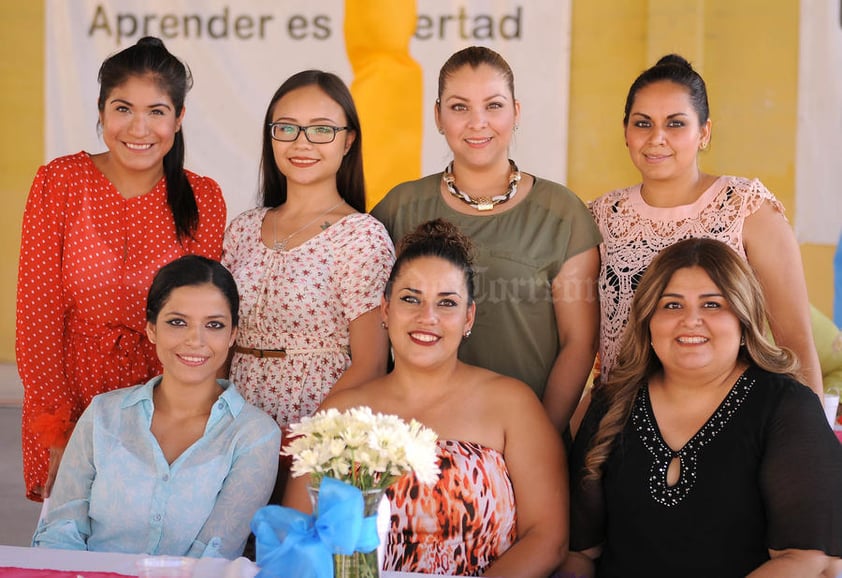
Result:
[643,421]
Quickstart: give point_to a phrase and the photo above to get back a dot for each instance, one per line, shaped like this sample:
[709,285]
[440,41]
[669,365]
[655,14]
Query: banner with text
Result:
[240,52]
[818,192]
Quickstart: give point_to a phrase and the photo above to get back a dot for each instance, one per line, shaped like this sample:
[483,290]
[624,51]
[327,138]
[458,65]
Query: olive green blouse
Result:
[518,253]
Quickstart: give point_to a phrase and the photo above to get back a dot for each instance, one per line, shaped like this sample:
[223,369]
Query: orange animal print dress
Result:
[458,526]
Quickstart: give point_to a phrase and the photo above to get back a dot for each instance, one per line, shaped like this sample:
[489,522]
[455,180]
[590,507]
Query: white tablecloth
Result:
[46,558]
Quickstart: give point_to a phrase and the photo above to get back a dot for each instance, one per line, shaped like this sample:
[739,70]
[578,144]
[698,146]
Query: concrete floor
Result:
[19,515]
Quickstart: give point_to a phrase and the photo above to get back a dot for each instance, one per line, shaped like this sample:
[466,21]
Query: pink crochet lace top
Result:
[633,232]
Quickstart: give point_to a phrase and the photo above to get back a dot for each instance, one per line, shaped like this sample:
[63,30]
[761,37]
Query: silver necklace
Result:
[282,244]
[483,203]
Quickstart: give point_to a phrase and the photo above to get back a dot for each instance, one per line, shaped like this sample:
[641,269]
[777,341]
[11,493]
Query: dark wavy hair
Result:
[350,179]
[677,69]
[190,271]
[436,238]
[149,57]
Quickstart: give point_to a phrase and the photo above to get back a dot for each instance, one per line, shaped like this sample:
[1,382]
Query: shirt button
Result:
[166,477]
[157,517]
[220,405]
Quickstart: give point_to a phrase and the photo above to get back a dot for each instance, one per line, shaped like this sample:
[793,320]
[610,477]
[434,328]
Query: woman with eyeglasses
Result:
[310,264]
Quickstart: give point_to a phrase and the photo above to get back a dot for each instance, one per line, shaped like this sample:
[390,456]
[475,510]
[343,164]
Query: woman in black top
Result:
[702,456]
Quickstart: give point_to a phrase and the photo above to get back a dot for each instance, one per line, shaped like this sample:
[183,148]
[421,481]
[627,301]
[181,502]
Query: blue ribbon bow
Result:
[290,543]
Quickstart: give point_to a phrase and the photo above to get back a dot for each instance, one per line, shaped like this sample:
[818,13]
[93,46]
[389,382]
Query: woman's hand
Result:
[56,454]
[579,564]
[796,564]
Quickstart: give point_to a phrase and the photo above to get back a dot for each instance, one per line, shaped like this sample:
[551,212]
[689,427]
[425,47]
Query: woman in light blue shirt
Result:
[178,465]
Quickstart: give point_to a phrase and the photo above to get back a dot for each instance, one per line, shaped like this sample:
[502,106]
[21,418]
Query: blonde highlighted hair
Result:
[637,361]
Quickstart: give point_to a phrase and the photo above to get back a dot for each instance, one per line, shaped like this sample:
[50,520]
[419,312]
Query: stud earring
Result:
[742,340]
[441,130]
[703,146]
[467,334]
[516,127]
[384,325]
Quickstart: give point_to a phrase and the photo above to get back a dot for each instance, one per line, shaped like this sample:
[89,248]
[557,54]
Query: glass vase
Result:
[358,564]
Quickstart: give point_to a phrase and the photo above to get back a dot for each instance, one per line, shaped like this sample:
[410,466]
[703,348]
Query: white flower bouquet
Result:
[361,448]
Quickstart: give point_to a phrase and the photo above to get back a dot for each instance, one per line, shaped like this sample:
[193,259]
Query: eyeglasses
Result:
[316,133]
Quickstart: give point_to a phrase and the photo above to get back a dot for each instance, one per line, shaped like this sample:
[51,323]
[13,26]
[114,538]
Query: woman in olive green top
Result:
[537,259]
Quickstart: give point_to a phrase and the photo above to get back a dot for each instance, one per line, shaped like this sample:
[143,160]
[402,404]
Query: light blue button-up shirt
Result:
[115,491]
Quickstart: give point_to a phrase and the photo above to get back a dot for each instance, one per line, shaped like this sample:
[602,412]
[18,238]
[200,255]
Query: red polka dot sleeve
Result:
[40,310]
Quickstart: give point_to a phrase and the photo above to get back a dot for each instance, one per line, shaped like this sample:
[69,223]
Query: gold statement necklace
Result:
[282,244]
[483,203]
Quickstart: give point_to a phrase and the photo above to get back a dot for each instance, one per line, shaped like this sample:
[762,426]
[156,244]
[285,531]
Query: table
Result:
[76,561]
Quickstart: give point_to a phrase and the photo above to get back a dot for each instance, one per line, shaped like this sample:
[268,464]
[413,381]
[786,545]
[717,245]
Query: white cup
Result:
[165,567]
[831,405]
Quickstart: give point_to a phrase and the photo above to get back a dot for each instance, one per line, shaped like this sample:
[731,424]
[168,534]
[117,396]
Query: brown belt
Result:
[261,352]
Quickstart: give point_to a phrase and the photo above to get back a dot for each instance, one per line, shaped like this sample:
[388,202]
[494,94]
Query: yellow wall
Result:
[22,144]
[752,82]
[751,79]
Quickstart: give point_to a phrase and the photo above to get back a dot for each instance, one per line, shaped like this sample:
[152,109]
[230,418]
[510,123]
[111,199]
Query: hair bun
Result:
[442,233]
[674,60]
[151,41]
[441,230]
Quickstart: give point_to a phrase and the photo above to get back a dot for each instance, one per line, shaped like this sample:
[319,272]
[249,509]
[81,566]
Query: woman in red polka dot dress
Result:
[95,230]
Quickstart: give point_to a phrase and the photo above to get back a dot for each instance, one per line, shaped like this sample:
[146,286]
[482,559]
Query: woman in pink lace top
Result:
[667,123]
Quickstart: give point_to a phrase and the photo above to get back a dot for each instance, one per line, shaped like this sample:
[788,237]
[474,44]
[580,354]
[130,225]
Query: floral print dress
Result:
[302,300]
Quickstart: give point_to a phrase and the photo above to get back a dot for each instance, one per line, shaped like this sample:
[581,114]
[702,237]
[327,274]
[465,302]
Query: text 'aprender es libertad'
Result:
[230,23]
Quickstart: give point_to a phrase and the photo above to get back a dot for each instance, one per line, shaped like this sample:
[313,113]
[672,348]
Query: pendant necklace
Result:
[282,244]
[483,203]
